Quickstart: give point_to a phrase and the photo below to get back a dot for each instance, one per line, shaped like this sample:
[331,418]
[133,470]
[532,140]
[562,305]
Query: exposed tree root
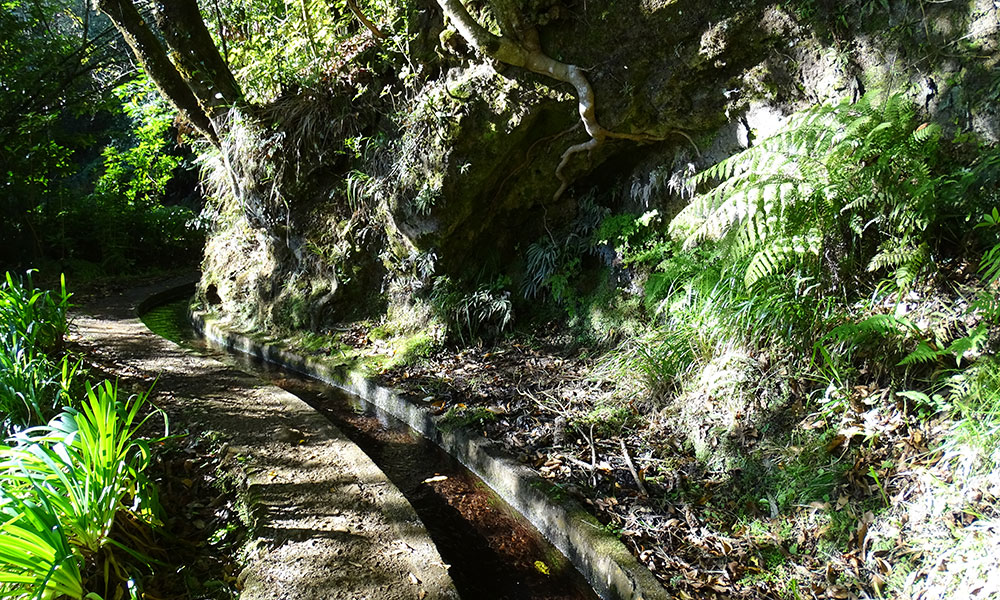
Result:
[594,142]
[512,53]
[527,157]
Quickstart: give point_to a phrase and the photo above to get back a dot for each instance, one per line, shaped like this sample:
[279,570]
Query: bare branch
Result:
[354,8]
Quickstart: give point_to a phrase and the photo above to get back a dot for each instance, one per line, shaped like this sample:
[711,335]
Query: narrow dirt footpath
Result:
[326,523]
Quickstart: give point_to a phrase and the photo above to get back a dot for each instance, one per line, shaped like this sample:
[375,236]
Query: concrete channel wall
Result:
[604,561]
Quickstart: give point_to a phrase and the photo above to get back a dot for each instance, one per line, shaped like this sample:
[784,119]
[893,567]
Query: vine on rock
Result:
[528,55]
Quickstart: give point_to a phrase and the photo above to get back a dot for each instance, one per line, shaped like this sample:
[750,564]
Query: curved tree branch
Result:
[533,59]
[196,57]
[154,59]
[512,53]
[352,5]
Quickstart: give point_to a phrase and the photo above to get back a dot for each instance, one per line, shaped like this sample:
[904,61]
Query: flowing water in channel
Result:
[493,552]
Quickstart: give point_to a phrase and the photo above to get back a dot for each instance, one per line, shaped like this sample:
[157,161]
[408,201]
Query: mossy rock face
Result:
[470,171]
[263,281]
[484,146]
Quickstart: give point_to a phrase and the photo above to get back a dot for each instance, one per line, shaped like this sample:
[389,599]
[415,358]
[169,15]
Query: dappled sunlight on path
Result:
[326,523]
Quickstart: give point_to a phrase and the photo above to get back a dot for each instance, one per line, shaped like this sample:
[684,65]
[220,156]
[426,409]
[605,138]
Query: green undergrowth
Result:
[823,305]
[36,376]
[815,331]
[381,353]
[462,416]
[75,502]
[359,346]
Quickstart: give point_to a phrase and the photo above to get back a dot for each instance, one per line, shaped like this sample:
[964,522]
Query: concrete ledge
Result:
[606,563]
[184,290]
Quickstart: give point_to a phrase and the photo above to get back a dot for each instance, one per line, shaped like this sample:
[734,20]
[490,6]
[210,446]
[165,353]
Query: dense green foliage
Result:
[845,199]
[853,180]
[128,195]
[86,149]
[844,269]
[485,312]
[34,375]
[276,46]
[72,473]
[51,59]
[839,272]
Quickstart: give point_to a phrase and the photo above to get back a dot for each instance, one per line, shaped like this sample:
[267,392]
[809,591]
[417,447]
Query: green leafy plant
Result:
[987,302]
[539,265]
[38,560]
[31,315]
[32,387]
[974,396]
[848,184]
[358,186]
[637,239]
[272,44]
[990,267]
[64,488]
[486,311]
[660,358]
[553,263]
[129,195]
[34,380]
[901,331]
[88,466]
[425,200]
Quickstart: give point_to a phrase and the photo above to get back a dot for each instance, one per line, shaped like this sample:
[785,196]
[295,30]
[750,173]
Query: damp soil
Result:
[493,553]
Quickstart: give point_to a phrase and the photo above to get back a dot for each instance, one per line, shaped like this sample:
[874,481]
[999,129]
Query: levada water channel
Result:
[493,552]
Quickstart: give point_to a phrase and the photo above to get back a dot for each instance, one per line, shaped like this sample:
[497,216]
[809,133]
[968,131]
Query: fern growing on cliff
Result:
[841,186]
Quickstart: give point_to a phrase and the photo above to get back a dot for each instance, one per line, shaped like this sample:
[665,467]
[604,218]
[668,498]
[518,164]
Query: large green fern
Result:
[848,183]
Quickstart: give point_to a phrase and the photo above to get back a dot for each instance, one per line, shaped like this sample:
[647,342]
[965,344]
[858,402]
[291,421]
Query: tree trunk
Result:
[154,60]
[310,34]
[352,5]
[196,56]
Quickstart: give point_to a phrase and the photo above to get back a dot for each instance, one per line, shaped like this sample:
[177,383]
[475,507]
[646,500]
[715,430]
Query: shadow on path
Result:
[326,523]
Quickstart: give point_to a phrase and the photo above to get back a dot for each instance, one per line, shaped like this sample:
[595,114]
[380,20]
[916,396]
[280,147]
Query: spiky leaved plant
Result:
[843,186]
[88,465]
[38,560]
[33,379]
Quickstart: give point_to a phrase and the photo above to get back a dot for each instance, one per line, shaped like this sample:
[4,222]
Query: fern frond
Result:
[732,210]
[907,272]
[922,354]
[907,260]
[927,132]
[899,109]
[873,137]
[855,130]
[990,264]
[890,255]
[780,253]
[973,342]
[881,325]
[858,165]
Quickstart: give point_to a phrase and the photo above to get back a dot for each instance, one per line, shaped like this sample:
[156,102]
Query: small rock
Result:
[287,434]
